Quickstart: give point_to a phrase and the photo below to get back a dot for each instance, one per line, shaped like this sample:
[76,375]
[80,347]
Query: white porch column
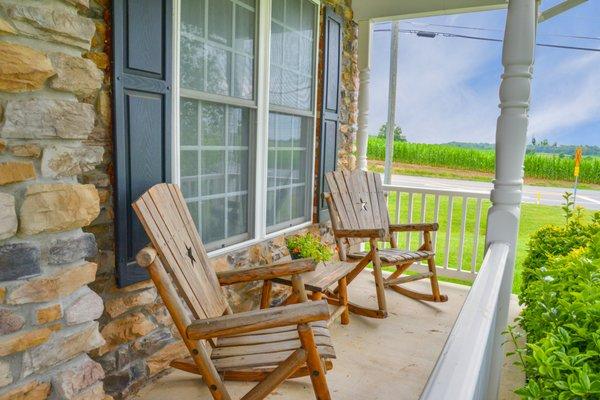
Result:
[364,66]
[511,140]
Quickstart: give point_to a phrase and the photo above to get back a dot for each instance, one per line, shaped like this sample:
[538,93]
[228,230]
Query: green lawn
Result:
[532,218]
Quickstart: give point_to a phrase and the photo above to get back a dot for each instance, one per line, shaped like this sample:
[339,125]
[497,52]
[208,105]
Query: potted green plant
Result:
[308,246]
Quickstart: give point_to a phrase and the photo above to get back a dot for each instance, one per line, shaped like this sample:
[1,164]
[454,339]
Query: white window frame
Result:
[262,76]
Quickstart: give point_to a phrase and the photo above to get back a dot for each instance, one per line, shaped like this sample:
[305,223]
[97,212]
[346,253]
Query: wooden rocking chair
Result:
[269,345]
[358,211]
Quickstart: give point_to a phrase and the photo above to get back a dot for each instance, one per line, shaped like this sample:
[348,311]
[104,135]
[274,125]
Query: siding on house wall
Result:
[137,339]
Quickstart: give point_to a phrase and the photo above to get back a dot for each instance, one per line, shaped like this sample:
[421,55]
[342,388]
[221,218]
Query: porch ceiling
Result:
[402,9]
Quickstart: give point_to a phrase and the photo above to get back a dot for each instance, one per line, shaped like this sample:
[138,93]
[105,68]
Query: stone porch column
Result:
[511,140]
[364,66]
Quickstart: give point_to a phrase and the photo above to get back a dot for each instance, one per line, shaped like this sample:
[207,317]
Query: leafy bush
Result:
[308,246]
[561,317]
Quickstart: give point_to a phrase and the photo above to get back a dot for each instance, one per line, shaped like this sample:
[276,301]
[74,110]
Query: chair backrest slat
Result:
[358,200]
[168,223]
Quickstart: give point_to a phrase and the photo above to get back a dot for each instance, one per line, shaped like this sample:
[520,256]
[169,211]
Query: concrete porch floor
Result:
[376,359]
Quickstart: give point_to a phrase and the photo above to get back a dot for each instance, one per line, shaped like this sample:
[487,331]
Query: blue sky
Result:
[448,87]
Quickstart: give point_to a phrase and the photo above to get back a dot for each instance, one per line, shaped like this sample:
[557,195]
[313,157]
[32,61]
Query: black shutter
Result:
[142,36]
[332,74]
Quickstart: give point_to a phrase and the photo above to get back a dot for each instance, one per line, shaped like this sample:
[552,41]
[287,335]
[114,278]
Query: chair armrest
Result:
[360,233]
[266,272]
[252,321]
[414,227]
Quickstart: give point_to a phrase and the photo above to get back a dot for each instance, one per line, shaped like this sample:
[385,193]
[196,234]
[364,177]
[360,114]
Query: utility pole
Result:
[391,118]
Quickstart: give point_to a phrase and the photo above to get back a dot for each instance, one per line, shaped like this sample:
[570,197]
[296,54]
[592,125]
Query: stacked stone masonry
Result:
[66,330]
[53,129]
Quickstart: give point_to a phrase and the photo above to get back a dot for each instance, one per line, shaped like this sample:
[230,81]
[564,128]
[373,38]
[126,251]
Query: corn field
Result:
[542,166]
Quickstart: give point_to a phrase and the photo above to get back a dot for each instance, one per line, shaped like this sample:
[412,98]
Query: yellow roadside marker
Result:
[578,158]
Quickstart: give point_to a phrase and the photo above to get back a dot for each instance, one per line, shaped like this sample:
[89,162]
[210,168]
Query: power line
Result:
[432,34]
[500,30]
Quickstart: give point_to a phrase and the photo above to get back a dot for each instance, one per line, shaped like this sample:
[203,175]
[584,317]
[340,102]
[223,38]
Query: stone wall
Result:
[56,213]
[52,115]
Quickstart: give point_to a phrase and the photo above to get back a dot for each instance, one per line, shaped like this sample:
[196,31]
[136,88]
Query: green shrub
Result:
[561,315]
[308,246]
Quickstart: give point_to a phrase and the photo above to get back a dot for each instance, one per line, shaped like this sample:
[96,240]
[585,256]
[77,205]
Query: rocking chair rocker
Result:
[358,211]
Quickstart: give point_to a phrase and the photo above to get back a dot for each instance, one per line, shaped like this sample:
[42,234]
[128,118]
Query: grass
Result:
[540,166]
[533,217]
[463,174]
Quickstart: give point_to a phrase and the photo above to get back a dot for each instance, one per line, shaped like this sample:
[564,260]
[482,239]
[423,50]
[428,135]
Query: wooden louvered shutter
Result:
[330,110]
[142,42]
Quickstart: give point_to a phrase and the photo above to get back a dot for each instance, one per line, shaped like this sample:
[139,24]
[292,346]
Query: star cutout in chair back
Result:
[190,254]
[363,205]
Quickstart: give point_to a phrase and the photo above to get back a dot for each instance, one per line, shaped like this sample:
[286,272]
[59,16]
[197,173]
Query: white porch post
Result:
[364,66]
[511,139]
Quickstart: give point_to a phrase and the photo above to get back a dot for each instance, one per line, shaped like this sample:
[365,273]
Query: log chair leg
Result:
[313,361]
[265,297]
[435,287]
[299,289]
[379,285]
[343,296]
[167,292]
[316,296]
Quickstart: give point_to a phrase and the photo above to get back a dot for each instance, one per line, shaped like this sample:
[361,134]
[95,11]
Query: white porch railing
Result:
[470,364]
[459,241]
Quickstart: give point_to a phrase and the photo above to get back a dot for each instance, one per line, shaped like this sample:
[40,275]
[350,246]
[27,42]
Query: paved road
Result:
[589,199]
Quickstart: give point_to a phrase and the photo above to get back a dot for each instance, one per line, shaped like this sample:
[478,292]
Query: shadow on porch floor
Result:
[376,359]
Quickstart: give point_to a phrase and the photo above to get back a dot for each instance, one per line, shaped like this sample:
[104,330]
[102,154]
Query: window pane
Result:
[237,218]
[270,207]
[215,168]
[237,174]
[292,53]
[292,13]
[189,122]
[217,47]
[282,205]
[192,63]
[218,68]
[298,202]
[220,16]
[278,10]
[243,77]
[192,17]
[213,172]
[213,124]
[239,126]
[211,219]
[288,170]
[244,30]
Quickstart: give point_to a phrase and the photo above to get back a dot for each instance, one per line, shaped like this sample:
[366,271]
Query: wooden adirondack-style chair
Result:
[269,345]
[358,210]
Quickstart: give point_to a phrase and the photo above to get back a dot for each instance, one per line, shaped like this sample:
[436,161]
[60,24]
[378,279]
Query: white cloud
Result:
[448,88]
[441,96]
[566,95]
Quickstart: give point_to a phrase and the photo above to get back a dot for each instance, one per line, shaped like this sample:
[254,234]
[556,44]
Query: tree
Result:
[398,136]
[544,142]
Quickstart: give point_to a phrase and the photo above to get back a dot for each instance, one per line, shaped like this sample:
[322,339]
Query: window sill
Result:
[252,242]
